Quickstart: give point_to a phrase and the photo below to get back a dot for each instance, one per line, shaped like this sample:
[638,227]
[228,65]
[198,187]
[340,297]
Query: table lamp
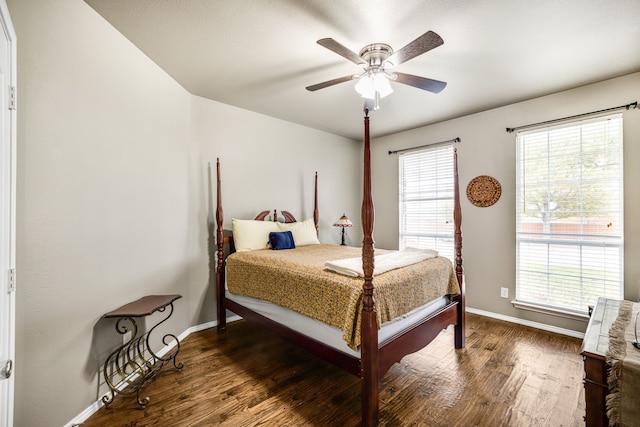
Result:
[343,223]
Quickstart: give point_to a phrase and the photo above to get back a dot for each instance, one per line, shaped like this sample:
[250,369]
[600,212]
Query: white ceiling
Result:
[261,54]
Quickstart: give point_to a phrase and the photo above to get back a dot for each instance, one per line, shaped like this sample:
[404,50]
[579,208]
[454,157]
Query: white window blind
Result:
[426,199]
[569,225]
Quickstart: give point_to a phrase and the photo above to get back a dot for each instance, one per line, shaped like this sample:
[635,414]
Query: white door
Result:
[7,213]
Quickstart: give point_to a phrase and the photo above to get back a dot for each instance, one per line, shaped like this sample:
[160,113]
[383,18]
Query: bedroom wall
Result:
[103,200]
[487,149]
[268,163]
[114,197]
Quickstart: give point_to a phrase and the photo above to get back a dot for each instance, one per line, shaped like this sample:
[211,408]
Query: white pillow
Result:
[251,235]
[304,233]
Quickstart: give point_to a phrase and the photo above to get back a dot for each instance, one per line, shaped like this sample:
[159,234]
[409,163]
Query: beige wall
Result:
[113,195]
[274,162]
[103,203]
[487,149]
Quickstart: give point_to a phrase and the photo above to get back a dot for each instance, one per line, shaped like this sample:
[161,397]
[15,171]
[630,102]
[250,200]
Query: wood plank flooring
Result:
[508,375]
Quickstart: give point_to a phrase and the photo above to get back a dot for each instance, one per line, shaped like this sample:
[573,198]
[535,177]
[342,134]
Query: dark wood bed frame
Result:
[375,358]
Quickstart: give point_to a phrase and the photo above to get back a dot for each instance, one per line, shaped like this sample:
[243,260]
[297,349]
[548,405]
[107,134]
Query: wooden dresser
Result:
[594,352]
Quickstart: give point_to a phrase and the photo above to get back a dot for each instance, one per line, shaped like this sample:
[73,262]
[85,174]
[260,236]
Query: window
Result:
[569,229]
[426,199]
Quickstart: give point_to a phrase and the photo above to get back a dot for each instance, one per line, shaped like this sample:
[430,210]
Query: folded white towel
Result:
[382,263]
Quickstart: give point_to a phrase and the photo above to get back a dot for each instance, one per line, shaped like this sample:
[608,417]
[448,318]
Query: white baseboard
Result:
[95,406]
[525,322]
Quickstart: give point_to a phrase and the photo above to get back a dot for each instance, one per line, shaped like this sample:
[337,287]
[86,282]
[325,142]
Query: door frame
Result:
[8,294]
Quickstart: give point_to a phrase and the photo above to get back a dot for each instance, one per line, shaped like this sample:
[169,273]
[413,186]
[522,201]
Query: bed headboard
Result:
[288,217]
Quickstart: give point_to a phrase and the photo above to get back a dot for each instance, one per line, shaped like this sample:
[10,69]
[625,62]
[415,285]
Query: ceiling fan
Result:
[378,59]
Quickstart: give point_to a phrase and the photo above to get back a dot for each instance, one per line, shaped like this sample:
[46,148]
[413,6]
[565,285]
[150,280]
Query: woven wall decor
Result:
[483,191]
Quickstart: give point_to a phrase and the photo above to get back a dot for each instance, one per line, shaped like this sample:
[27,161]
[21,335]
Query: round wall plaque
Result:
[483,191]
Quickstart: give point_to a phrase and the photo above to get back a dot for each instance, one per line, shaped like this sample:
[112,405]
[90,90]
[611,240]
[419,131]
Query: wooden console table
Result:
[134,362]
[594,354]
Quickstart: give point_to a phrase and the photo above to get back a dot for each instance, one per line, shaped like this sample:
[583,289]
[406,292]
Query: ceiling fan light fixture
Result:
[378,59]
[372,86]
[365,88]
[381,85]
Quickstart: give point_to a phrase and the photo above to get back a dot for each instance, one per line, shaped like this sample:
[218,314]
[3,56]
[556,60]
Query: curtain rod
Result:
[425,145]
[630,106]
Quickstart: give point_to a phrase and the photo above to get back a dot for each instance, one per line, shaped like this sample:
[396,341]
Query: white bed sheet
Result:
[327,334]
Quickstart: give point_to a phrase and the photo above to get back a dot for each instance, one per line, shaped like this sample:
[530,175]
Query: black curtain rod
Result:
[425,145]
[630,106]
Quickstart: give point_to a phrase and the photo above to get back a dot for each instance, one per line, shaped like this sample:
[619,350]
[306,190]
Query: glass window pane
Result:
[426,199]
[569,206]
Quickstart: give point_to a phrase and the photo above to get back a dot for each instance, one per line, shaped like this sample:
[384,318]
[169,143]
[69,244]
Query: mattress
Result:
[330,335]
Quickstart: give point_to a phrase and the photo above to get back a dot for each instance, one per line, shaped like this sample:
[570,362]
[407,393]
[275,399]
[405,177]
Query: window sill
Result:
[573,315]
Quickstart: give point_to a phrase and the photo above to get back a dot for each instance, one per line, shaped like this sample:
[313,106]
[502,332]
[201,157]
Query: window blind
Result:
[569,214]
[426,199]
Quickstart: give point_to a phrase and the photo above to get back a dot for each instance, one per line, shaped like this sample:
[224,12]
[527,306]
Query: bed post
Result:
[315,204]
[459,329]
[222,313]
[369,328]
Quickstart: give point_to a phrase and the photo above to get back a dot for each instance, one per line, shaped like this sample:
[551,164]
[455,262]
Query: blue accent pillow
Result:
[281,240]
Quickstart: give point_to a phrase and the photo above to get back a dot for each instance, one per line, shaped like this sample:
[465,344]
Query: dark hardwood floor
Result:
[508,375]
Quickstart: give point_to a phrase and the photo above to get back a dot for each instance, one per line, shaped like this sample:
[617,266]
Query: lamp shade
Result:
[343,222]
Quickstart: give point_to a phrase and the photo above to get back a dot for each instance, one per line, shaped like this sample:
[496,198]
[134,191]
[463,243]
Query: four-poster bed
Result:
[378,349]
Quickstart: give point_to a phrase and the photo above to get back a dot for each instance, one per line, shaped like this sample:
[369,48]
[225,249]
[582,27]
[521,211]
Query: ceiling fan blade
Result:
[329,83]
[422,44]
[336,47]
[423,83]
